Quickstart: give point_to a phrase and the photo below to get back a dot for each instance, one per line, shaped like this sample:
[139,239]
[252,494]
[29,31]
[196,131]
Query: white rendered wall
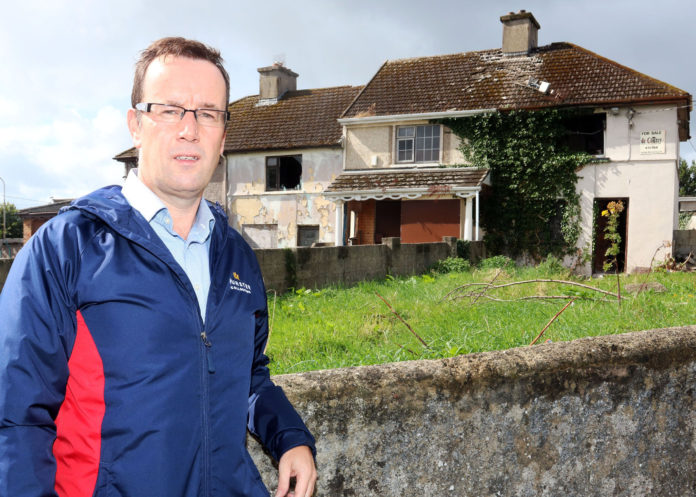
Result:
[649,181]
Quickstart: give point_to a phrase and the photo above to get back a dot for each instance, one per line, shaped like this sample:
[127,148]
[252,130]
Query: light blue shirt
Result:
[191,254]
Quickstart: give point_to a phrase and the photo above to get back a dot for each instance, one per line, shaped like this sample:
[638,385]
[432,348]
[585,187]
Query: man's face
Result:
[177,160]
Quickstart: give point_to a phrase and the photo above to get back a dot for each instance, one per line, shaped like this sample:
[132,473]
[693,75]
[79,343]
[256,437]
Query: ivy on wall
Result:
[533,176]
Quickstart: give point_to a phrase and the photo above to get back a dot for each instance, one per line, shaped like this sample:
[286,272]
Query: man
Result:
[133,324]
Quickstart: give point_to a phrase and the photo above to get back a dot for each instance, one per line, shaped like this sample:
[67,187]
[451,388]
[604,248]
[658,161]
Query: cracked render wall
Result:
[597,416]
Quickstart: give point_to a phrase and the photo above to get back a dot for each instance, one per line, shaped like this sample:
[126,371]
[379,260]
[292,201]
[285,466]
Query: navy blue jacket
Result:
[111,384]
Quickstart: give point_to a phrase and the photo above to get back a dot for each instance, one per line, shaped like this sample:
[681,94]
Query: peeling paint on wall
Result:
[250,203]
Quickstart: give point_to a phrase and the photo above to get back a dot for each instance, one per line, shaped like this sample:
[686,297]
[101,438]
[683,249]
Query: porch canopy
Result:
[408,184]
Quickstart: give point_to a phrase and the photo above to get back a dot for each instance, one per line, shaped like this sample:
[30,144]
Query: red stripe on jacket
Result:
[78,443]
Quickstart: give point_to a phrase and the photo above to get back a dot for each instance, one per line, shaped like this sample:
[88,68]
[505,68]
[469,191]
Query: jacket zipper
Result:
[208,352]
[205,345]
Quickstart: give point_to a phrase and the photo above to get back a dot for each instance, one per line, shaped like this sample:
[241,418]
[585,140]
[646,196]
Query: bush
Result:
[452,265]
[497,262]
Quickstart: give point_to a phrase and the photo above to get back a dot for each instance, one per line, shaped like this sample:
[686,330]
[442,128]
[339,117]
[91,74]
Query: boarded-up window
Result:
[429,220]
[307,235]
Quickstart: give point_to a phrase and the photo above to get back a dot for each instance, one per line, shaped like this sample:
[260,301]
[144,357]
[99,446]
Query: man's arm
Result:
[273,419]
[34,311]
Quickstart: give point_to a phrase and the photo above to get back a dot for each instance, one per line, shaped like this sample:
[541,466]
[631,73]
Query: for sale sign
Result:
[652,142]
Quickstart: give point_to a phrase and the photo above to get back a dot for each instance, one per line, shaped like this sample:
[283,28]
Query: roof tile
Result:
[489,79]
[435,180]
[303,118]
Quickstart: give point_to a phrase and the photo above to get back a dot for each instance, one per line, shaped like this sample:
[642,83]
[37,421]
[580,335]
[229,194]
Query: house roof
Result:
[44,210]
[301,119]
[489,79]
[127,155]
[406,183]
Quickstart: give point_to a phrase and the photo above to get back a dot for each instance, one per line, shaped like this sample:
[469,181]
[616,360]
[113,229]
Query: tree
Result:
[687,178]
[12,220]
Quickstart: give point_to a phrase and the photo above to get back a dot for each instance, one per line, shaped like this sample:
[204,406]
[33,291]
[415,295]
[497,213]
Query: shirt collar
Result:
[144,200]
[140,197]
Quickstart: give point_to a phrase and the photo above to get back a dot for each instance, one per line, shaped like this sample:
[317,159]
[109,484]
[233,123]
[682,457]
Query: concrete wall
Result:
[322,266]
[684,244]
[596,416]
[5,265]
[649,181]
[364,142]
[9,247]
[250,203]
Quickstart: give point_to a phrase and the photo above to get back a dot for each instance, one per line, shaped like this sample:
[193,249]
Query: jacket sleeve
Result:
[271,416]
[36,316]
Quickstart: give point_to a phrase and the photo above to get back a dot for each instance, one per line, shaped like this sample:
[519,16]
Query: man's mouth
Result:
[186,157]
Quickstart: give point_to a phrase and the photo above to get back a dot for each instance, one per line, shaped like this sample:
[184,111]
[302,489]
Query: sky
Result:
[67,66]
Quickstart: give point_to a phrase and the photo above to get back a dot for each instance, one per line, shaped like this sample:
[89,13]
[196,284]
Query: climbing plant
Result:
[533,176]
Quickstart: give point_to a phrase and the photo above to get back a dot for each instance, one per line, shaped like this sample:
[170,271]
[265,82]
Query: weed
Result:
[452,264]
[497,262]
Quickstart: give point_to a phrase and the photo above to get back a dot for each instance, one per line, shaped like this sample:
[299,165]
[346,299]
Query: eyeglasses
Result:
[165,113]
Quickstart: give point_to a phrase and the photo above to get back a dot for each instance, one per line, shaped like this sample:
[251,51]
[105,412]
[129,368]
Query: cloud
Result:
[66,157]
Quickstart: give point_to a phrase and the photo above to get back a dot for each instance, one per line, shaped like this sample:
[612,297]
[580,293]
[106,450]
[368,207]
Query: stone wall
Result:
[597,416]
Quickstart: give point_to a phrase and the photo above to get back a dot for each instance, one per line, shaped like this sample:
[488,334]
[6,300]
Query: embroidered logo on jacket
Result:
[238,285]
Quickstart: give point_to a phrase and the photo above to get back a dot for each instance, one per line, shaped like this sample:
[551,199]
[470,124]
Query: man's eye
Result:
[207,115]
[170,111]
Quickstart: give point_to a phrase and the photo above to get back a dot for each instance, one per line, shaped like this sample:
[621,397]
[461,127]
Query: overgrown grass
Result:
[339,327]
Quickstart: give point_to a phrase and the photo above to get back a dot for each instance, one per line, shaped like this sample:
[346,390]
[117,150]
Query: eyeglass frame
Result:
[146,106]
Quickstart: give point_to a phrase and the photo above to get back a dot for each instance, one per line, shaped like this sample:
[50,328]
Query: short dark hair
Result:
[178,47]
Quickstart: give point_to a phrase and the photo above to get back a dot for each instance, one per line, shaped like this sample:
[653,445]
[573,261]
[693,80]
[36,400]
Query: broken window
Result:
[585,133]
[307,235]
[418,143]
[283,172]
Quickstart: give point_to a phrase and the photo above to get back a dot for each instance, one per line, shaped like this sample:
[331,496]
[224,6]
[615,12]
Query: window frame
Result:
[276,170]
[414,139]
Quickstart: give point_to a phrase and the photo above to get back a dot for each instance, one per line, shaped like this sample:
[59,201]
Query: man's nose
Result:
[189,126]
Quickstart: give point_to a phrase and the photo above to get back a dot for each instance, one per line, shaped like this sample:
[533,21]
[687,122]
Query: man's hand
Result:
[297,462]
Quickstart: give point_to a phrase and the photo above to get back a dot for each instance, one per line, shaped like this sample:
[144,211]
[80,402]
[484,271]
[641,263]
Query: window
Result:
[585,133]
[283,172]
[418,143]
[307,235]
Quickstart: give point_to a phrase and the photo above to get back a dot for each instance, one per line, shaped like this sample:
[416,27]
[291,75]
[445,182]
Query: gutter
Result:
[398,191]
[413,117]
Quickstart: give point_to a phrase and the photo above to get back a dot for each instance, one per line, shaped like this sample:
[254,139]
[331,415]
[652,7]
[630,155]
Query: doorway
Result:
[601,244]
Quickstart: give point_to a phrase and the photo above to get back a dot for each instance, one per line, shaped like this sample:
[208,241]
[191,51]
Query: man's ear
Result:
[134,126]
[222,145]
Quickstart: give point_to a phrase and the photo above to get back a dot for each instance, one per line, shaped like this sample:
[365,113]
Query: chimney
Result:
[519,32]
[274,81]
